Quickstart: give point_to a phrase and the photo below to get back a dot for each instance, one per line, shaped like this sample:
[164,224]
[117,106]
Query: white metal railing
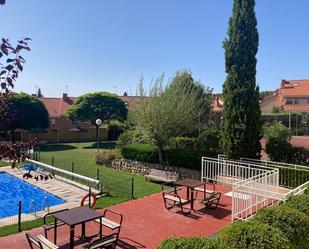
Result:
[252,194]
[229,172]
[32,205]
[64,172]
[45,200]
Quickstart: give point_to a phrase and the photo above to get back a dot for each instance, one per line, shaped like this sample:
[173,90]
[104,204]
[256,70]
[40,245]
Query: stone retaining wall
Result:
[143,168]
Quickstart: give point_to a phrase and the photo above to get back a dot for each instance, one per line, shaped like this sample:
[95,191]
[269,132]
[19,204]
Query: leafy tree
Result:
[186,80]
[167,111]
[102,105]
[24,112]
[241,126]
[264,94]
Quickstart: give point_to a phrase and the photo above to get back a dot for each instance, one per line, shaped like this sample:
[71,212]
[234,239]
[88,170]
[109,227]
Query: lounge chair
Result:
[172,199]
[40,242]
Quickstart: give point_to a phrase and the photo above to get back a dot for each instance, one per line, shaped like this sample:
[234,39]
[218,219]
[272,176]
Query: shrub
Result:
[140,152]
[299,202]
[293,223]
[253,235]
[134,137]
[187,158]
[115,128]
[277,131]
[183,143]
[209,141]
[106,156]
[190,243]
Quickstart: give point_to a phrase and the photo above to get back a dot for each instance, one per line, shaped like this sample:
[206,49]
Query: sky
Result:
[107,45]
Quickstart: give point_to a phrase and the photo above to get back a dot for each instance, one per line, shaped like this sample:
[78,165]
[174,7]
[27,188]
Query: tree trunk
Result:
[160,153]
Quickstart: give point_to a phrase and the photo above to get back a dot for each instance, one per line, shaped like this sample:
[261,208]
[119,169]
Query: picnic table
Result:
[190,184]
[76,216]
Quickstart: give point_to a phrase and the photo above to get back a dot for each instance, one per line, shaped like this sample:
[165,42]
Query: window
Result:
[289,101]
[303,101]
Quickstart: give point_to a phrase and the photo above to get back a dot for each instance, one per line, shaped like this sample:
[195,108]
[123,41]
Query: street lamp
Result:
[98,123]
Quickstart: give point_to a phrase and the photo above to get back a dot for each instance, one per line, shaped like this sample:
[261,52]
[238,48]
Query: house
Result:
[293,95]
[268,103]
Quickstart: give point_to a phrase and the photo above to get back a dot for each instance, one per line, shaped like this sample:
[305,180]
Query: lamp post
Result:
[98,123]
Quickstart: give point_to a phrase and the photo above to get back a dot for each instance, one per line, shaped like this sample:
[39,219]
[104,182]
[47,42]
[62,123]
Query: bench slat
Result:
[202,190]
[46,243]
[174,198]
[109,223]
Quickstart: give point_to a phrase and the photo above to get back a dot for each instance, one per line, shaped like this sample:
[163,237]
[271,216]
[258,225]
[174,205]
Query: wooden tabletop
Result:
[77,215]
[188,183]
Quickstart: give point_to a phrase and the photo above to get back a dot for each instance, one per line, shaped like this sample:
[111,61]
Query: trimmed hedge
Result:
[253,235]
[185,158]
[291,222]
[190,243]
[140,152]
[299,202]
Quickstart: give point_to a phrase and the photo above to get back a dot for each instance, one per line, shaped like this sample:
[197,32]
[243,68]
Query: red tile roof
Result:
[56,107]
[293,88]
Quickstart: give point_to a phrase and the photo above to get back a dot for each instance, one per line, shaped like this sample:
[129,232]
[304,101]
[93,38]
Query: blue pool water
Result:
[13,190]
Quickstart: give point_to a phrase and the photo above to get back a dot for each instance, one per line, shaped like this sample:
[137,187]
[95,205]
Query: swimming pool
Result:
[13,190]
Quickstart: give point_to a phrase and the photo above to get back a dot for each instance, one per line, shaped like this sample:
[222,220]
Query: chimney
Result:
[66,98]
[283,83]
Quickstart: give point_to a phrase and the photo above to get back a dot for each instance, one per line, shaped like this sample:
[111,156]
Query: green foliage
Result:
[186,158]
[253,235]
[299,202]
[140,152]
[209,140]
[277,131]
[134,137]
[293,223]
[190,243]
[264,94]
[182,143]
[241,126]
[102,105]
[107,156]
[22,108]
[170,110]
[115,128]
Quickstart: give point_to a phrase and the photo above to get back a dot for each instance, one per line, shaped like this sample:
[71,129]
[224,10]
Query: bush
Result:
[293,223]
[190,243]
[183,143]
[185,158]
[140,152]
[115,128]
[134,137]
[209,141]
[106,156]
[299,202]
[277,131]
[253,235]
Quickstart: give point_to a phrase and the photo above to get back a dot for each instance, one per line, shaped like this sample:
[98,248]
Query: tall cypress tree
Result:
[241,127]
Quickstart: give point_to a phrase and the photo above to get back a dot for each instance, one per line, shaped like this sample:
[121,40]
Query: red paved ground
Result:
[146,223]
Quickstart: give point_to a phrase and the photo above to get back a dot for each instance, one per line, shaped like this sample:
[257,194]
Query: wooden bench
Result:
[212,200]
[51,225]
[40,242]
[172,199]
[106,241]
[162,176]
[204,189]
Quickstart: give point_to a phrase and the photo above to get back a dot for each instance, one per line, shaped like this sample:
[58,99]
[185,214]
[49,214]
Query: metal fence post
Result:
[72,169]
[19,216]
[89,200]
[132,188]
[52,162]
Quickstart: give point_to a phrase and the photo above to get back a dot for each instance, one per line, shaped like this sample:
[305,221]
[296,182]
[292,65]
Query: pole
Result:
[98,140]
[19,216]
[72,169]
[89,200]
[290,122]
[132,188]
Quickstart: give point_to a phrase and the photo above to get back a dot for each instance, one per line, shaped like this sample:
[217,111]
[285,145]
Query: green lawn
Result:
[118,183]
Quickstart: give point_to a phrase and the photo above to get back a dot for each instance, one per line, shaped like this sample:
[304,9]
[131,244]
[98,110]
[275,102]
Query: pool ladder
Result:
[32,205]
[45,200]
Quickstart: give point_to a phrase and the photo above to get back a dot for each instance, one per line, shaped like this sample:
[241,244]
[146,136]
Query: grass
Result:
[119,183]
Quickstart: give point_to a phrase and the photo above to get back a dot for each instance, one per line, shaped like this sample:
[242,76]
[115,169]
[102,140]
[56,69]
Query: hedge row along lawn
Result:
[83,156]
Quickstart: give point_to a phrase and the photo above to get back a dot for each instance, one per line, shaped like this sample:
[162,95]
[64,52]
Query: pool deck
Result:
[146,223]
[67,190]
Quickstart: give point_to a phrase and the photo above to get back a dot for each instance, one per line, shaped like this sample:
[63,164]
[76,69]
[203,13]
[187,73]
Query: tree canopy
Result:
[99,105]
[241,127]
[168,110]
[24,112]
